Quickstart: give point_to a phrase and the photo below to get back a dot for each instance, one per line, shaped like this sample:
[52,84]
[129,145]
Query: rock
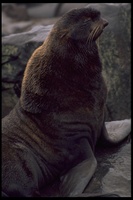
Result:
[36,35]
[115,55]
[14,18]
[115,51]
[45,10]
[16,50]
[16,12]
[113,173]
[49,10]
[15,27]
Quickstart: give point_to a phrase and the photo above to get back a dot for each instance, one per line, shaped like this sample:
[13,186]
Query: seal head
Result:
[81,24]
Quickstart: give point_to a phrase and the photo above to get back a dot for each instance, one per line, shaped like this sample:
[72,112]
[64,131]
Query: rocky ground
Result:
[24,28]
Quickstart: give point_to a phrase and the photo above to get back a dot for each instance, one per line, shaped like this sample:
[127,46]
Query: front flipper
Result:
[77,178]
[115,131]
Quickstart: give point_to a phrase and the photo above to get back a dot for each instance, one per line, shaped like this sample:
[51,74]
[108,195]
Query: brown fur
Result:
[62,101]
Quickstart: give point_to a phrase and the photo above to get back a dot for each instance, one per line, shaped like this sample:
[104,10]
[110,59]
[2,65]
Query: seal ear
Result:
[64,33]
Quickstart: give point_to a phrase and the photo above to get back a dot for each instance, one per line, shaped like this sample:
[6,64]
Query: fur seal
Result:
[53,129]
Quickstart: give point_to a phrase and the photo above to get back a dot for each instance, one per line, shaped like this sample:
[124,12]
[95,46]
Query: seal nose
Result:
[105,23]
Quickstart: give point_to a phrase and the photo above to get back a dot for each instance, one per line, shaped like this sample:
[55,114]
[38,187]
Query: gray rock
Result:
[113,174]
[16,12]
[114,47]
[35,35]
[14,18]
[44,10]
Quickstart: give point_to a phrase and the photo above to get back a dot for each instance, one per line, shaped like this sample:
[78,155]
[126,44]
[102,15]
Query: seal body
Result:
[60,115]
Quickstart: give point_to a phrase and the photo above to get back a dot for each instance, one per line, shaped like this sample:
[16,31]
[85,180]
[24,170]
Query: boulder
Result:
[114,48]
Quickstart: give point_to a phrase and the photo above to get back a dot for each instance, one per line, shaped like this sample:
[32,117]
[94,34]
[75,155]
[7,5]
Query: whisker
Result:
[89,39]
[94,33]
